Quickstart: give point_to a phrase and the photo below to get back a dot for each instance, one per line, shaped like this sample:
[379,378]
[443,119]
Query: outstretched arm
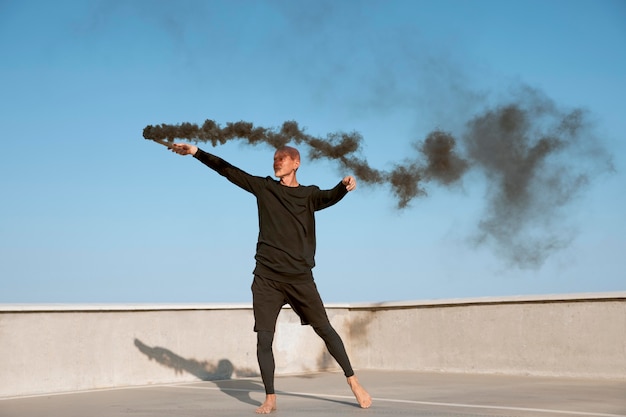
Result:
[349,182]
[184,149]
[327,198]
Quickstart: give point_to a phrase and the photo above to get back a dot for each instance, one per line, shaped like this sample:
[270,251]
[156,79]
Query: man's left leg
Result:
[307,303]
[336,348]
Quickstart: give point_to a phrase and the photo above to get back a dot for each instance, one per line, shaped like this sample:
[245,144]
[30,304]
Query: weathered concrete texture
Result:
[47,349]
[565,338]
[314,395]
[66,351]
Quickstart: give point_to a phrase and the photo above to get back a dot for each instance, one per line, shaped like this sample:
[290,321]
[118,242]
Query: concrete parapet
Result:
[567,336]
[58,348]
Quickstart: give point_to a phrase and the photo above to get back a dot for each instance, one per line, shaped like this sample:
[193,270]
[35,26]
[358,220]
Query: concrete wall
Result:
[566,336]
[46,349]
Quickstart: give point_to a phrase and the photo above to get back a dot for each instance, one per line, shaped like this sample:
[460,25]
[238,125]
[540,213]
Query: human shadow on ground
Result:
[220,374]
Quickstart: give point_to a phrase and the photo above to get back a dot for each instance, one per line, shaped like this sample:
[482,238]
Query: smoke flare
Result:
[535,158]
[405,179]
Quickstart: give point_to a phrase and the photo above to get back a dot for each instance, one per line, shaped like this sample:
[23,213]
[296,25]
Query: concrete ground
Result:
[312,395]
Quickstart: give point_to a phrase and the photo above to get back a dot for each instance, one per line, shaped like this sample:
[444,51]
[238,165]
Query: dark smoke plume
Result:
[443,164]
[535,158]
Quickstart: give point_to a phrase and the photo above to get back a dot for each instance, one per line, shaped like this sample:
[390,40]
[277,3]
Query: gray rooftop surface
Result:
[395,393]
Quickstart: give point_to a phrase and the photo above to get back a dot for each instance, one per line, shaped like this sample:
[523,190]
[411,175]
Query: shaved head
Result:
[292,152]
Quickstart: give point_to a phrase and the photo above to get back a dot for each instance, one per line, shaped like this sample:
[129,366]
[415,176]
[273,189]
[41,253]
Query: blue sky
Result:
[93,213]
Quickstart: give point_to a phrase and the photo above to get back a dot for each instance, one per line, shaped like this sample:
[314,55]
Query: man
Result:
[285,257]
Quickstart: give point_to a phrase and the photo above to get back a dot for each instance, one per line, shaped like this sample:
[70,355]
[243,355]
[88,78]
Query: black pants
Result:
[268,299]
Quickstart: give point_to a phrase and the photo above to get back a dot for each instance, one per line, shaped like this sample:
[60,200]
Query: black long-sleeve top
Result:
[286,244]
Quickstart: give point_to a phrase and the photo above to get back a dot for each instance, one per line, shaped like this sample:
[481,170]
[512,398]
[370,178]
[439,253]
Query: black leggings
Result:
[265,355]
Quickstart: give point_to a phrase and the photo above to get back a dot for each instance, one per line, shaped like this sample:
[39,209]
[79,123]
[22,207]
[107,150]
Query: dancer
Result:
[285,257]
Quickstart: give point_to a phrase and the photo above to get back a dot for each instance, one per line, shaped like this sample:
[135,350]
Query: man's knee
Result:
[264,341]
[326,332]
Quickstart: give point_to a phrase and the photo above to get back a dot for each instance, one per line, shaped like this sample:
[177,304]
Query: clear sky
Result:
[93,213]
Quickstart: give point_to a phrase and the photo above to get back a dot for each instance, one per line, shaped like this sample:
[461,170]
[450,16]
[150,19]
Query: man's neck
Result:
[289,180]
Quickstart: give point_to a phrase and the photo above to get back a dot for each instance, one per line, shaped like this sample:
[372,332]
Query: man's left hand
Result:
[349,182]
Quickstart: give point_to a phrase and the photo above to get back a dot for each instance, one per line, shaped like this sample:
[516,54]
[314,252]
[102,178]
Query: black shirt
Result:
[286,244]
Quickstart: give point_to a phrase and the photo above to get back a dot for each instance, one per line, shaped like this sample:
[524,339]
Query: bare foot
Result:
[268,406]
[362,396]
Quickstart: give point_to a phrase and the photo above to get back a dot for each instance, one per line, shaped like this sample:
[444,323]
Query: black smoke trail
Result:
[443,164]
[535,157]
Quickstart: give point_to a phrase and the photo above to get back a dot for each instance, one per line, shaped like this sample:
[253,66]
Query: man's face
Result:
[284,164]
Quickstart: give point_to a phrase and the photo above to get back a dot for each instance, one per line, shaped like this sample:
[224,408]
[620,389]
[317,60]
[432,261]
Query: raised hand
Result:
[349,182]
[184,148]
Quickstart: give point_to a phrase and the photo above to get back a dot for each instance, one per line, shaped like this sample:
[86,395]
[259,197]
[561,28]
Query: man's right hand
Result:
[184,148]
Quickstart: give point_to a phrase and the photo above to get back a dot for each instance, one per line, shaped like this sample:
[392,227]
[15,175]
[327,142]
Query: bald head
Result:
[289,151]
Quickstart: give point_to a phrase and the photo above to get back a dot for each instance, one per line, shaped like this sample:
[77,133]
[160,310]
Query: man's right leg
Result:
[265,356]
[267,300]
